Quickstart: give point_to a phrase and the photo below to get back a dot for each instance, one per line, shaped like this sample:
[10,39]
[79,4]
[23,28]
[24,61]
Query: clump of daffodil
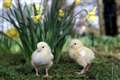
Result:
[91,15]
[61,13]
[12,32]
[77,2]
[37,18]
[39,8]
[7,3]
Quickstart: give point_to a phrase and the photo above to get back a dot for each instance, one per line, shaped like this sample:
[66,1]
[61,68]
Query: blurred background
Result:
[105,16]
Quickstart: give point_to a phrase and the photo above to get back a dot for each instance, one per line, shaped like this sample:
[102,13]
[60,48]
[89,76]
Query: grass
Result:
[104,67]
[13,67]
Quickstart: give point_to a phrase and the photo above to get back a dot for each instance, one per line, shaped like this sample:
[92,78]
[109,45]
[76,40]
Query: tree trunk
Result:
[110,17]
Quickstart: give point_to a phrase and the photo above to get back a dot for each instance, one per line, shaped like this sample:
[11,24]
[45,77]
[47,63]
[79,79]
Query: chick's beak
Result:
[71,46]
[39,49]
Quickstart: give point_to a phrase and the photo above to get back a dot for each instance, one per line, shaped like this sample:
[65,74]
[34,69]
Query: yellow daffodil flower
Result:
[77,2]
[37,18]
[12,32]
[7,3]
[39,8]
[61,13]
[91,15]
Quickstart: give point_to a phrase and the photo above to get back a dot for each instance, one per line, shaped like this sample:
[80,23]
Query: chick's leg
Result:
[84,64]
[83,70]
[88,67]
[36,69]
[47,68]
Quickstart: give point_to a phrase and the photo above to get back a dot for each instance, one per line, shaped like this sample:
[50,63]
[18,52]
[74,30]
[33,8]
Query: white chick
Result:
[42,56]
[81,54]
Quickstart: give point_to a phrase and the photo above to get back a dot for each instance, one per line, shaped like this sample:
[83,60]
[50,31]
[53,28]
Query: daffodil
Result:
[12,32]
[91,15]
[61,13]
[39,8]
[7,3]
[77,2]
[37,18]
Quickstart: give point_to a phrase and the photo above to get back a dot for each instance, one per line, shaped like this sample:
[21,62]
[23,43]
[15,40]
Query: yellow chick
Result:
[42,56]
[81,54]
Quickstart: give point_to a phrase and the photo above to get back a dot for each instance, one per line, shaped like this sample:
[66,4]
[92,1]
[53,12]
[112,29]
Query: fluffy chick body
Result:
[81,54]
[42,56]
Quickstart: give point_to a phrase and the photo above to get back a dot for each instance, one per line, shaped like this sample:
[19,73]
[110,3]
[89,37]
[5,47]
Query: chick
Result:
[81,54]
[42,56]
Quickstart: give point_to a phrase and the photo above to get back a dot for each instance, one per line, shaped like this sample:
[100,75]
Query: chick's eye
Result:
[42,46]
[74,43]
